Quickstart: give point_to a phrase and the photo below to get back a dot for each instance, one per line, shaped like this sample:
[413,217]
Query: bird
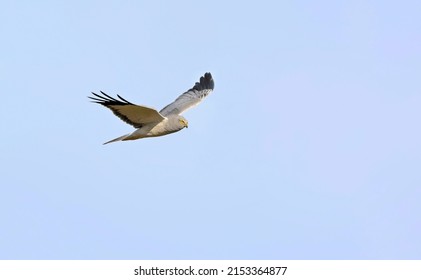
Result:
[148,121]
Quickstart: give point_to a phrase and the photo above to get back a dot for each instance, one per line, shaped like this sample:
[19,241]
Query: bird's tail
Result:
[117,139]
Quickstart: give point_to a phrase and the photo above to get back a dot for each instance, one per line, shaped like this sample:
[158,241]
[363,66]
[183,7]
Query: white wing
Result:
[190,98]
[130,113]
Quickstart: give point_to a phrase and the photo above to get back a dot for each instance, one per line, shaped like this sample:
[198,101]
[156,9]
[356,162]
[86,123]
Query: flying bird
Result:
[148,121]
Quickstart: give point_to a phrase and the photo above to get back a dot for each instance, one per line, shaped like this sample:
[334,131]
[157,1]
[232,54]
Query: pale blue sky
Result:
[309,147]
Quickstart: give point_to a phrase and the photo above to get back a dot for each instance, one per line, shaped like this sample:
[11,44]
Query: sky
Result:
[308,148]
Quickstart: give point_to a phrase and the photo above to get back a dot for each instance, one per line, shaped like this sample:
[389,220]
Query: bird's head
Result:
[183,122]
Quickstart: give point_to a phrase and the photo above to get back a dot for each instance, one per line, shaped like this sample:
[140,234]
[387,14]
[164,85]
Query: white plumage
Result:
[148,121]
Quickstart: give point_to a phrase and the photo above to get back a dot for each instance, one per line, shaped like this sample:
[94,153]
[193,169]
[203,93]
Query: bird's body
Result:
[169,125]
[148,121]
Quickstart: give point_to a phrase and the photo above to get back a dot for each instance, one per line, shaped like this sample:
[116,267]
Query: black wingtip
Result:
[205,82]
[107,100]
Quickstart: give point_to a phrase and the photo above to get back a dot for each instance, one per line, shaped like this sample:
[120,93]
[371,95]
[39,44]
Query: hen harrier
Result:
[148,121]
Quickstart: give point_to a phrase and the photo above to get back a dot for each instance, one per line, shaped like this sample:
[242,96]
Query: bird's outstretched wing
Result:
[190,98]
[132,114]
